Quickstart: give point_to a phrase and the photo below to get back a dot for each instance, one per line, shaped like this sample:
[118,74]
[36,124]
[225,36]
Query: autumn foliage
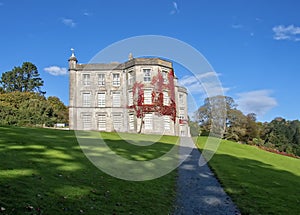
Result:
[157,106]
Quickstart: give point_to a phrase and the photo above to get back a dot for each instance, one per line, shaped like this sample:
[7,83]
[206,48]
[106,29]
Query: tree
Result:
[23,79]
[57,112]
[31,109]
[212,115]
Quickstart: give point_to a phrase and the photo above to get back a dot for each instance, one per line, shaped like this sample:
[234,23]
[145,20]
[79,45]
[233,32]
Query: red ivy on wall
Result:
[157,105]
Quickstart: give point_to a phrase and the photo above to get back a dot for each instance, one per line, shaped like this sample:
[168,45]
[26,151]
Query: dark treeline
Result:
[22,102]
[279,134]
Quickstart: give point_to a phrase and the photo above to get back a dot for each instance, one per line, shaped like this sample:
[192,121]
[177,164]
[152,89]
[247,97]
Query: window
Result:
[116,79]
[166,98]
[181,102]
[147,97]
[131,122]
[86,100]
[86,79]
[101,99]
[131,78]
[130,98]
[101,122]
[87,121]
[165,76]
[147,75]
[117,121]
[116,99]
[101,79]
[148,121]
[181,114]
[167,122]
[182,133]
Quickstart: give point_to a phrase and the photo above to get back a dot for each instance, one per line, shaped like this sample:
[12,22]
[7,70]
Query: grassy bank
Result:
[259,182]
[45,172]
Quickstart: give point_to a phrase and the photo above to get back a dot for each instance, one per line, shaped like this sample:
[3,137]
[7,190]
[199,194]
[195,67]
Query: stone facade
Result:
[103,97]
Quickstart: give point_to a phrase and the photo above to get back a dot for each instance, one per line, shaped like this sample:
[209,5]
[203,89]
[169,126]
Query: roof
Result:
[125,65]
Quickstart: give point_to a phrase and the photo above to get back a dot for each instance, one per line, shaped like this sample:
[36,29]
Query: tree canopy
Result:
[22,102]
[31,109]
[23,79]
[279,134]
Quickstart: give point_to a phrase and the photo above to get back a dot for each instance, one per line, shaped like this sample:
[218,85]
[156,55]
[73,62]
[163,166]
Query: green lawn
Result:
[44,171]
[259,182]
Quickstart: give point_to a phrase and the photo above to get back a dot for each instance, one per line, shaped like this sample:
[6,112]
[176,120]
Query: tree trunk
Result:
[141,125]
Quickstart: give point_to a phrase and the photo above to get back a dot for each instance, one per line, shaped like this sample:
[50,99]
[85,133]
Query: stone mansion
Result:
[140,95]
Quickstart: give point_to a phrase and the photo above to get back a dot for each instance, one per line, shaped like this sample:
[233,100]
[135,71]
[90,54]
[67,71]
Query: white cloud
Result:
[87,13]
[237,26]
[258,102]
[68,22]
[56,71]
[290,32]
[175,8]
[204,83]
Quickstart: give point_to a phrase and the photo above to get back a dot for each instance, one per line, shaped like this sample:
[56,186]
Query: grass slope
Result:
[45,172]
[259,182]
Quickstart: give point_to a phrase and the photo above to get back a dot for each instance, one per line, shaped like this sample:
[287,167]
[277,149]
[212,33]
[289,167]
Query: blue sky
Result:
[253,46]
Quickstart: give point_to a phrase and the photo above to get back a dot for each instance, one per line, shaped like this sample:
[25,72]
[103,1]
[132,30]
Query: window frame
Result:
[86,81]
[86,101]
[101,81]
[114,99]
[116,82]
[99,103]
[147,75]
[147,100]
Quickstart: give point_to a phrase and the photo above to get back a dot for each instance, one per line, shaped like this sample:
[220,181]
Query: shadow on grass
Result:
[45,172]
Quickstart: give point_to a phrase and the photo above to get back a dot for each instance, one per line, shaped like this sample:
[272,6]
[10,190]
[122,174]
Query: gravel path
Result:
[199,192]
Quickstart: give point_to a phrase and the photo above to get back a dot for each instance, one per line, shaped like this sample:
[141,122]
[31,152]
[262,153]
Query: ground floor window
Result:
[117,121]
[101,122]
[148,121]
[131,122]
[182,131]
[167,122]
[87,122]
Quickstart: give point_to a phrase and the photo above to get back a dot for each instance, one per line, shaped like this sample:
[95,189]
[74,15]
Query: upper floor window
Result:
[147,75]
[101,99]
[86,79]
[147,97]
[166,98]
[116,79]
[101,79]
[86,100]
[130,98]
[116,99]
[131,78]
[165,76]
[181,101]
